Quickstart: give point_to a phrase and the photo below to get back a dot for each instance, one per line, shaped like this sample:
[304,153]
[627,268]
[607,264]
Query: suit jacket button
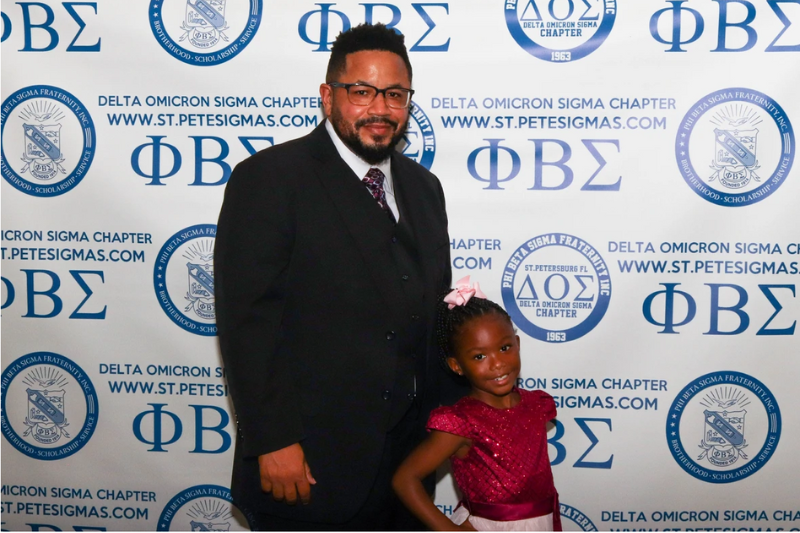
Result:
[387,395]
[411,396]
[414,317]
[389,335]
[394,239]
[404,277]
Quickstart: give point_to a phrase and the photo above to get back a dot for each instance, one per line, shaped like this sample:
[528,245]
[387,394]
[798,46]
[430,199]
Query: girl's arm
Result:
[423,461]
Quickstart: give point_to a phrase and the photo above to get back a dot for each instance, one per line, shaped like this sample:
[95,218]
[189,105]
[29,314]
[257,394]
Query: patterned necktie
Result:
[374,182]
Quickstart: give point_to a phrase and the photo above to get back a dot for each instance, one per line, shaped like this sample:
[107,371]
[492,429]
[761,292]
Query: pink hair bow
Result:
[463,292]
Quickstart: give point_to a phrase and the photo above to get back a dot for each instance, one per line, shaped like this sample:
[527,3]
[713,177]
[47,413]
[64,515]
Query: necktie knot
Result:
[374,182]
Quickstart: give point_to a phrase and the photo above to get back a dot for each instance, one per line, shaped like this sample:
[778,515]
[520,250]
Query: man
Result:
[326,288]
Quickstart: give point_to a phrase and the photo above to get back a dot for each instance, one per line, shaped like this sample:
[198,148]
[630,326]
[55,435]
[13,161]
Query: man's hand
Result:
[285,473]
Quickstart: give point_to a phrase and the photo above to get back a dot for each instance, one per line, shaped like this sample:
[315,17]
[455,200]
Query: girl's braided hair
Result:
[450,321]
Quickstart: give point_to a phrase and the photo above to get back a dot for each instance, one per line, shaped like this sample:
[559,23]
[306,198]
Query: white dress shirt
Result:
[361,167]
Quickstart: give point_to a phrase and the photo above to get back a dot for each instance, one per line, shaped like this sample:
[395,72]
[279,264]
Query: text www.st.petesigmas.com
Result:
[685,266]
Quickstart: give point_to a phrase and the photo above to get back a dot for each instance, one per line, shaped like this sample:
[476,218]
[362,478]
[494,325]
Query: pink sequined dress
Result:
[506,474]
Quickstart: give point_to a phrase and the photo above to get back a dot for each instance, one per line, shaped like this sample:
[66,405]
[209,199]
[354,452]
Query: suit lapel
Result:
[405,227]
[368,225]
[413,213]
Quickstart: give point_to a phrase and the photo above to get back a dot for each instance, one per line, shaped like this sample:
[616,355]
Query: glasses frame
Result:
[346,86]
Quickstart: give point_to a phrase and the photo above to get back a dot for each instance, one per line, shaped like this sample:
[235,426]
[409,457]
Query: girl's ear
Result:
[454,366]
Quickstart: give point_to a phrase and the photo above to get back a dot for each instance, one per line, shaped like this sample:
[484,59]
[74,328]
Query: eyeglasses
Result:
[363,94]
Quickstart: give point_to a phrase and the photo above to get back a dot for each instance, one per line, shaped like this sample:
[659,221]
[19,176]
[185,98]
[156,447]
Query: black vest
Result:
[410,328]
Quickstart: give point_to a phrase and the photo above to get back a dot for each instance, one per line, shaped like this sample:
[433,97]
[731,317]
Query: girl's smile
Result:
[487,354]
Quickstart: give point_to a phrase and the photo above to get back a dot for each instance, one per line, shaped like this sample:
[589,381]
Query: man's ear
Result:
[454,366]
[326,93]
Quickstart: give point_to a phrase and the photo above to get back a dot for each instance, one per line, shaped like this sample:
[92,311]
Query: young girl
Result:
[496,438]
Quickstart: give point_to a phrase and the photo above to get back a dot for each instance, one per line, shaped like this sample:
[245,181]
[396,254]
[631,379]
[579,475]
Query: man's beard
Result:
[373,154]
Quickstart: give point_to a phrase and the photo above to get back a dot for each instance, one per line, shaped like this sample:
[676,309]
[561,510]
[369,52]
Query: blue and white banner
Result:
[620,175]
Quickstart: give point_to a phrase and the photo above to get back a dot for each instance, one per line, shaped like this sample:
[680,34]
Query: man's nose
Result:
[378,105]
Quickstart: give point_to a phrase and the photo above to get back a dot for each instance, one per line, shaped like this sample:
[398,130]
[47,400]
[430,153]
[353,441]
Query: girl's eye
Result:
[505,348]
[480,356]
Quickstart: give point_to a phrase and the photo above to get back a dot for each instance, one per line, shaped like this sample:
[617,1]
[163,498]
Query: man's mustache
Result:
[375,120]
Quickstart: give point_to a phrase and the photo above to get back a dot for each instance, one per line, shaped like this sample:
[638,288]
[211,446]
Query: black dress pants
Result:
[382,511]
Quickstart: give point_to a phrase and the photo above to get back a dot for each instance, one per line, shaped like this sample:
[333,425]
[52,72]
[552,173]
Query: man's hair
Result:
[450,321]
[365,37]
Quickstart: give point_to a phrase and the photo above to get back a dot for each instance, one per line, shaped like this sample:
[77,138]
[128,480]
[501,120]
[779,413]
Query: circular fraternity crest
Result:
[203,508]
[730,423]
[742,143]
[560,30]
[50,138]
[49,406]
[556,287]
[577,517]
[204,32]
[184,270]
[419,142]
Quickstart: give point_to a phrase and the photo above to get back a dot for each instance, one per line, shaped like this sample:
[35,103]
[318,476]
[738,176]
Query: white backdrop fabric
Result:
[620,175]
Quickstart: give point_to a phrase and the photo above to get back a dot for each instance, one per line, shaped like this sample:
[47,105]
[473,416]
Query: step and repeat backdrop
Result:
[620,174]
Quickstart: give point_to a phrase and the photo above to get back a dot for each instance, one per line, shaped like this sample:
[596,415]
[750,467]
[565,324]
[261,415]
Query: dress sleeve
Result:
[547,405]
[449,420]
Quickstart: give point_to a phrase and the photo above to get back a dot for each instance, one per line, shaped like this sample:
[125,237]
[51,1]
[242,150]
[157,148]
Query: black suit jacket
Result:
[306,292]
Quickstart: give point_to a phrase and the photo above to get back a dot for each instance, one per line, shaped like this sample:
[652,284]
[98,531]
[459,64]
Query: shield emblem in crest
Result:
[42,142]
[42,150]
[201,288]
[735,147]
[46,416]
[735,157]
[205,13]
[723,436]
[205,22]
